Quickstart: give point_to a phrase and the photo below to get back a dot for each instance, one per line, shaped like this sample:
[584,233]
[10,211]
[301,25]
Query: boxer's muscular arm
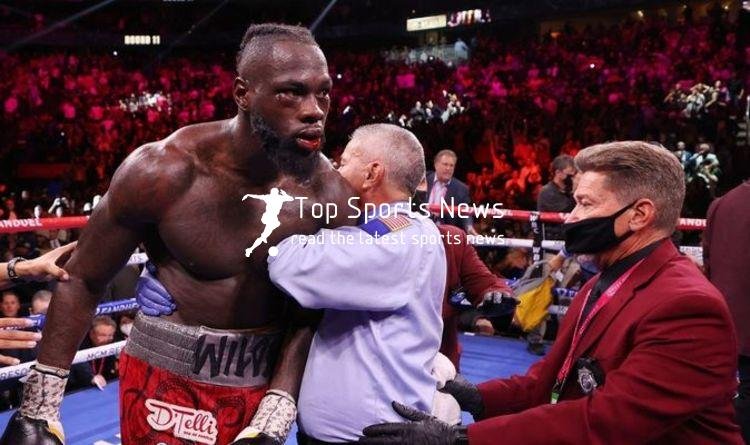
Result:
[287,377]
[139,192]
[277,410]
[288,374]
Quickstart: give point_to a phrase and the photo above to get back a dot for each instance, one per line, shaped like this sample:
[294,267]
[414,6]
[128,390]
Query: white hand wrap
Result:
[442,370]
[444,406]
[274,418]
[42,395]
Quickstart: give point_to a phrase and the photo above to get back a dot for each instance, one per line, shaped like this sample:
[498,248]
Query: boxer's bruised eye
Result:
[294,89]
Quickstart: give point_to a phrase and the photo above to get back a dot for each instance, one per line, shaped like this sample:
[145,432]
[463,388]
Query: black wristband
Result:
[12,270]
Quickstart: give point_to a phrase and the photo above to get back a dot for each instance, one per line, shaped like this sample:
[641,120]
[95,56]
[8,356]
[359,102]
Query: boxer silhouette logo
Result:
[274,201]
[185,423]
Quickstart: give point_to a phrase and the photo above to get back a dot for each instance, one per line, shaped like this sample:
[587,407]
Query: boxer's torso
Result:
[200,239]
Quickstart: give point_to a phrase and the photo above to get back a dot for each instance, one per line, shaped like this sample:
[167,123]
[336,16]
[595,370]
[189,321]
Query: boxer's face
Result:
[286,93]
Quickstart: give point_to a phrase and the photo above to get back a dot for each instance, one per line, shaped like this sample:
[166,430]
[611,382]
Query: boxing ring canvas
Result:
[91,417]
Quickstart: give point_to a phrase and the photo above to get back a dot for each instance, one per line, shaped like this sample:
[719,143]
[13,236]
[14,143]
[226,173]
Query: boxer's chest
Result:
[213,226]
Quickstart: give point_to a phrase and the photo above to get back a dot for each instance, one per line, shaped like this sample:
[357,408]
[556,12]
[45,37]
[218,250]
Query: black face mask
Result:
[594,235]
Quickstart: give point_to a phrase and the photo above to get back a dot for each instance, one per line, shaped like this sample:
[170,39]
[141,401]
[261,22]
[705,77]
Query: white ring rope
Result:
[86,355]
[82,356]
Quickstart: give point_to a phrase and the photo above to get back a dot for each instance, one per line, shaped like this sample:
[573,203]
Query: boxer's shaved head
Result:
[280,69]
[258,40]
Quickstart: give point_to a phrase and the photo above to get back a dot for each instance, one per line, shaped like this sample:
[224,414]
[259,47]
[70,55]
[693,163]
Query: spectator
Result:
[557,194]
[549,86]
[418,114]
[461,49]
[718,95]
[126,324]
[10,209]
[96,372]
[704,165]
[682,154]
[40,302]
[448,192]
[571,146]
[11,304]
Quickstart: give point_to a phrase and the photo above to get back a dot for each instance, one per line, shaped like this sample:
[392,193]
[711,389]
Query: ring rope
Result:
[82,356]
[77,222]
[31,224]
[525,215]
[110,307]
[74,222]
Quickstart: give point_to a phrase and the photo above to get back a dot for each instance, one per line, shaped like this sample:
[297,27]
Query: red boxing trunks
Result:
[191,385]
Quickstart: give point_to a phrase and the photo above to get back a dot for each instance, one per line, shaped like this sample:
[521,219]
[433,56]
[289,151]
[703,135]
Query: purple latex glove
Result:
[151,295]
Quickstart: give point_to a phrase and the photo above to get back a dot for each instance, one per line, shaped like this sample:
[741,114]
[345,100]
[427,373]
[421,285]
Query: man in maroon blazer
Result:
[726,254]
[647,352]
[467,271]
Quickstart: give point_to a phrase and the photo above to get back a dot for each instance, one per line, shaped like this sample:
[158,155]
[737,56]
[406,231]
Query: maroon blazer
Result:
[467,270]
[667,347]
[726,255]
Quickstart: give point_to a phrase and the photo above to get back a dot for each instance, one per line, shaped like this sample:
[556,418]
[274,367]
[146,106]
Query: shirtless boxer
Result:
[200,374]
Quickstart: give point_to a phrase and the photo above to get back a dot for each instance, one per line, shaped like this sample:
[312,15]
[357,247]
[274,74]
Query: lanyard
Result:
[97,369]
[581,326]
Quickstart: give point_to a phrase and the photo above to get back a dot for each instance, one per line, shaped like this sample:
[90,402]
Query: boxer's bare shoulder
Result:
[148,179]
[156,173]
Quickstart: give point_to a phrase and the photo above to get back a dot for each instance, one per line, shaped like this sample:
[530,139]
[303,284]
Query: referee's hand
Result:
[47,267]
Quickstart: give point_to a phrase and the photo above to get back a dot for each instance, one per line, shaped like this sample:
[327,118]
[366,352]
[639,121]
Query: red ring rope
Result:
[77,222]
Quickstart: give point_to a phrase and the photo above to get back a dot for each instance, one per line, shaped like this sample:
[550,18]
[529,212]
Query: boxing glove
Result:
[22,430]
[260,439]
[37,421]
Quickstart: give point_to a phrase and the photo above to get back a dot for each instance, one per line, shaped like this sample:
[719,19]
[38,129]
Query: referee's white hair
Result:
[400,151]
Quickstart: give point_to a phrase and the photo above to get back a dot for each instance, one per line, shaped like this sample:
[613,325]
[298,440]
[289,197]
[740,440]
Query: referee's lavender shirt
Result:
[382,326]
